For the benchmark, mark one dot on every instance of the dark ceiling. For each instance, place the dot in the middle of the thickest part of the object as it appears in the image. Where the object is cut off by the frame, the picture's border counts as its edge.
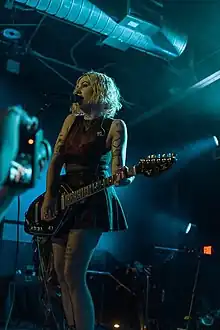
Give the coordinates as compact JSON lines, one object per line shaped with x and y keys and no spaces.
{"x":144,"y":80}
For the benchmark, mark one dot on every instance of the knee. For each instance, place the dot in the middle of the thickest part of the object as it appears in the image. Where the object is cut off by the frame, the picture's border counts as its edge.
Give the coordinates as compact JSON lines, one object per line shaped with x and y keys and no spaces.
{"x":68,"y":276}
{"x":60,"y":274}
{"x":74,"y":276}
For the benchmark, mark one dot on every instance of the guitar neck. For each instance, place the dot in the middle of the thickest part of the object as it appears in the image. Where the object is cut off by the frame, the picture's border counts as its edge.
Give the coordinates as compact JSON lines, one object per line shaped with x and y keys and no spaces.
{"x":91,"y":189}
{"x":152,"y":165}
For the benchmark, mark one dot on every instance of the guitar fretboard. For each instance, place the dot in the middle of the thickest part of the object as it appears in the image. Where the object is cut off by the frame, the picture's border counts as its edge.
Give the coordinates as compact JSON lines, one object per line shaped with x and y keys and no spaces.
{"x":91,"y":189}
{"x":149,"y":166}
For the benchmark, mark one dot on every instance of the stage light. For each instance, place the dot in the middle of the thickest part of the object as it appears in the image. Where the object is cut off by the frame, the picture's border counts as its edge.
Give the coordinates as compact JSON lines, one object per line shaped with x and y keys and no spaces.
{"x":30,"y":141}
{"x":216,"y":141}
{"x":116,"y":326}
{"x":188,"y":228}
{"x":207,"y":320}
{"x":11,"y":34}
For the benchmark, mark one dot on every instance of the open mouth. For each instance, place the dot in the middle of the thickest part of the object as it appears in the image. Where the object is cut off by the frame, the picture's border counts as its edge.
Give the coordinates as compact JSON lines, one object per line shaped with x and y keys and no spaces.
{"x":76,"y":98}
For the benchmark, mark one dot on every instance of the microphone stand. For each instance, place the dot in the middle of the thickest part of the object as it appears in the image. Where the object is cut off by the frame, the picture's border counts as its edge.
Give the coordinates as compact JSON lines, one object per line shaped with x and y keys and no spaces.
{"x":189,"y":318}
{"x":146,"y":302}
{"x":192,"y":300}
{"x":143,"y":300}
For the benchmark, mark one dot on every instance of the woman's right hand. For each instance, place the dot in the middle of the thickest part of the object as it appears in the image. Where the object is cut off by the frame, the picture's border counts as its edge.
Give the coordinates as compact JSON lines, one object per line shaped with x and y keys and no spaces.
{"x":75,"y":109}
{"x":49,"y":209}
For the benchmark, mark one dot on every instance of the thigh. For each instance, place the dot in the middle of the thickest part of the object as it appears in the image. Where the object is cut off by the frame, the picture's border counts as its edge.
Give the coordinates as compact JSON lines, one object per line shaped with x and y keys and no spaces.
{"x":80,"y":247}
{"x":58,"y":258}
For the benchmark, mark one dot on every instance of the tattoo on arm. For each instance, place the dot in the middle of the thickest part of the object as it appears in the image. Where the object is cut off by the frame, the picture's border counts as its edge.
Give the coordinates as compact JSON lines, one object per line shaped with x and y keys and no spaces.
{"x":119,"y":145}
{"x":53,"y":173}
{"x":59,"y":145}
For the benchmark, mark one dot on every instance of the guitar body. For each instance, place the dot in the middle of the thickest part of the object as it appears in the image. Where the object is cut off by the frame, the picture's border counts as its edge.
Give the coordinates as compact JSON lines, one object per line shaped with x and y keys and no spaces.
{"x":35,"y":226}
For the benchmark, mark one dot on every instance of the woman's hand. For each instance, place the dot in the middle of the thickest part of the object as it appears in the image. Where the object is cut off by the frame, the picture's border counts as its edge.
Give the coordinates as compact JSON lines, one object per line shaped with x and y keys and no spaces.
{"x":49,"y":208}
{"x":121,"y":177}
{"x":75,"y":109}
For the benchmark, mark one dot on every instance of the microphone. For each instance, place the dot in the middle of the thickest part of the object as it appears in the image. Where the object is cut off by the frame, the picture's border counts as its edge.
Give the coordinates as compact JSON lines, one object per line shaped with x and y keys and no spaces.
{"x":57,"y":95}
{"x":76,"y":98}
{"x":73,"y":98}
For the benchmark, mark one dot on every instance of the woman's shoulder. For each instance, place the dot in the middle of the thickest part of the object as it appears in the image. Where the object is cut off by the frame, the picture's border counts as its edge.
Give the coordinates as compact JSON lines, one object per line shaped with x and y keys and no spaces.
{"x":117,"y":126}
{"x":72,"y":117}
{"x":118,"y":123}
{"x":115,"y":121}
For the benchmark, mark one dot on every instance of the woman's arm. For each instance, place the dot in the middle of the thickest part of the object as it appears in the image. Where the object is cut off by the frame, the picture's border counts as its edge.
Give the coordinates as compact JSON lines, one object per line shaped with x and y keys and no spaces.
{"x":57,"y":161}
{"x":119,"y":137}
{"x":9,"y":141}
{"x":11,"y":121}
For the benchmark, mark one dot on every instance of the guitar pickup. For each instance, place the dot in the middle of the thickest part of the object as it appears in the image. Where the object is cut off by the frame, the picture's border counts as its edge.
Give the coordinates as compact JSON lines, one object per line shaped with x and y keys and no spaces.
{"x":62,"y":202}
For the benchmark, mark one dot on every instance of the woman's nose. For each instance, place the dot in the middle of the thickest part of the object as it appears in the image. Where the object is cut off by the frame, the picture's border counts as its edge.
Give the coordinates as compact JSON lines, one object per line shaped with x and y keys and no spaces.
{"x":78,"y":91}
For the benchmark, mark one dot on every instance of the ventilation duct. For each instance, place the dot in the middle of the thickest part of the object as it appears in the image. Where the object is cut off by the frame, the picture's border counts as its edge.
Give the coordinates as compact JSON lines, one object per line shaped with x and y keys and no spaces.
{"x":131,"y":32}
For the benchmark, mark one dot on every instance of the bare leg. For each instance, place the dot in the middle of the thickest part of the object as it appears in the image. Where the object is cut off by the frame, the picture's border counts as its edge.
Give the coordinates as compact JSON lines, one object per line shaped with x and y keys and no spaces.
{"x":59,"y":253}
{"x":79,"y":250}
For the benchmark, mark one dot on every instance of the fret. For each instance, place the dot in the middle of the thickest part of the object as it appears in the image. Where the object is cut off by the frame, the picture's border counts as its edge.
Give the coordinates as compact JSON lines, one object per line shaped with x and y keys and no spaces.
{"x":94,"y":186}
{"x":79,"y":193}
{"x":89,"y":189}
{"x":103,"y":183}
{"x":100,"y":184}
{"x":85,"y":191}
{"x":72,"y":198}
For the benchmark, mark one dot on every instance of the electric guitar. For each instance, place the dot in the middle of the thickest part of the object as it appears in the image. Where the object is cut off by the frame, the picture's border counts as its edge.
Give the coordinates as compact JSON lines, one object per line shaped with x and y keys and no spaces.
{"x":150,"y":166}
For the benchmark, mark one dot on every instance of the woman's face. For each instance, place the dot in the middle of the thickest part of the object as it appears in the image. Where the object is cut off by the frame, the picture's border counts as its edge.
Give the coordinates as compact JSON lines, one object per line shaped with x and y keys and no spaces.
{"x":84,"y":89}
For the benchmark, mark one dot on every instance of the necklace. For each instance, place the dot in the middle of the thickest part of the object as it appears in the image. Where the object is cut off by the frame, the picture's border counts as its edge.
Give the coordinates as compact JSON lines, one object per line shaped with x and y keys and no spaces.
{"x":89,"y":123}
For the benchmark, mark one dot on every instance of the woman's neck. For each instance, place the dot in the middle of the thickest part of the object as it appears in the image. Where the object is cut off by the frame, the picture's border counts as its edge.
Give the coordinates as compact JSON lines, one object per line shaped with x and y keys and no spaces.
{"x":91,"y":116}
{"x":92,"y":111}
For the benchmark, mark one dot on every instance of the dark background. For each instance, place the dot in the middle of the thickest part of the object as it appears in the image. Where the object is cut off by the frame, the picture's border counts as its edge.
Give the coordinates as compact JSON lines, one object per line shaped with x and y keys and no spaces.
{"x":158,"y":210}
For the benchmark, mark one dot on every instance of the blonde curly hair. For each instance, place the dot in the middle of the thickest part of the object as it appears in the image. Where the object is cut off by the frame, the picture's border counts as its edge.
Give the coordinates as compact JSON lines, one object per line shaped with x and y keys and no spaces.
{"x":105,"y":92}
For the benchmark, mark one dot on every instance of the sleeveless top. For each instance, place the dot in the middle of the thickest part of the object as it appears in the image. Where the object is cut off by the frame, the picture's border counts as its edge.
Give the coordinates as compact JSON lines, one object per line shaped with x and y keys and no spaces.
{"x":85,"y":146}
{"x":87,"y":158}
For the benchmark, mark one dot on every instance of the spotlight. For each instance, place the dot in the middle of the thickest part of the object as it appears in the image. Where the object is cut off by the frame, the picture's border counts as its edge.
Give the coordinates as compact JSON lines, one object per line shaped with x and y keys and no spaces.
{"x":11,"y":34}
{"x":116,"y":326}
{"x":189,"y":227}
{"x":207,"y":320}
{"x":216,"y":141}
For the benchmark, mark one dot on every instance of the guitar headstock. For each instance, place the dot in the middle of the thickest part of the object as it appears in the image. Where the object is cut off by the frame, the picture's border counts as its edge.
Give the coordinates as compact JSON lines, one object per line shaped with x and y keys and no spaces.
{"x":155,"y":164}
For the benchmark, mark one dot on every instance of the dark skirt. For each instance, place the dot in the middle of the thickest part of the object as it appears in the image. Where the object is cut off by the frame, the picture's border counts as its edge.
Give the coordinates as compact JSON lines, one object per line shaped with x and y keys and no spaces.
{"x":102,"y":211}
